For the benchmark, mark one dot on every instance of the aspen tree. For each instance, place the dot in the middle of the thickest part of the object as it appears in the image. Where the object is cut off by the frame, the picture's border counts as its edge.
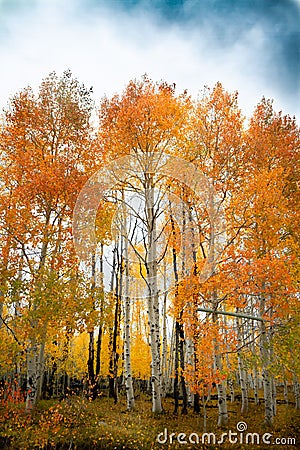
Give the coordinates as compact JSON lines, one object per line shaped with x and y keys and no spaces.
{"x":43,"y":137}
{"x":127,"y":313}
{"x":144,"y":122}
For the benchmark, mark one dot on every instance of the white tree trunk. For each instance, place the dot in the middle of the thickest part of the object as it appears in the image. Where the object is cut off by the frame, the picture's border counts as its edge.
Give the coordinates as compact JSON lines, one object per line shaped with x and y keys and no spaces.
{"x":155,"y":361}
{"x":164,"y":338}
{"x":243,"y":385}
{"x":40,"y":370}
{"x":127,"y":356}
{"x":255,"y":386}
{"x":32,"y":381}
{"x":296,"y":392}
{"x":35,"y":355}
{"x":265,"y":358}
{"x":127,"y":320}
{"x":221,"y":386}
{"x":267,"y":383}
{"x":222,"y":400}
{"x":190,"y":358}
{"x":274,"y":395}
{"x":230,"y":380}
{"x":153,"y":299}
{"x":242,"y":371}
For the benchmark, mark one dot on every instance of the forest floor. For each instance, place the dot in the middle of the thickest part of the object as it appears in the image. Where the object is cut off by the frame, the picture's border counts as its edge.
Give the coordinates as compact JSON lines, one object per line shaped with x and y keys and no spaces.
{"x":76,"y":423}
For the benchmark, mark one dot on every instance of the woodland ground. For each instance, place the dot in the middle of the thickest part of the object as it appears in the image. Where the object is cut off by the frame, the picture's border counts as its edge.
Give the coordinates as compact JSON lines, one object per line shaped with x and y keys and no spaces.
{"x":76,"y":423}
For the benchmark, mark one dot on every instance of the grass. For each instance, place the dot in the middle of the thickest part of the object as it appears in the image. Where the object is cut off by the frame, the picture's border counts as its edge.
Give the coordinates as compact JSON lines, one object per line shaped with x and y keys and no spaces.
{"x":76,"y":423}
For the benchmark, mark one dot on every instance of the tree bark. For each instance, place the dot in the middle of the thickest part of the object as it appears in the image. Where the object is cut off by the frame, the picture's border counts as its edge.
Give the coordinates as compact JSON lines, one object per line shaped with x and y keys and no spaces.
{"x":113,"y":368}
{"x":242,"y":371}
{"x":91,"y":353}
{"x":127,"y":317}
{"x":296,"y":387}
{"x":100,"y":330}
{"x":113,"y":332}
{"x":179,"y":339}
{"x":221,"y":385}
{"x":153,"y":300}
{"x":265,"y":359}
{"x":31,"y":384}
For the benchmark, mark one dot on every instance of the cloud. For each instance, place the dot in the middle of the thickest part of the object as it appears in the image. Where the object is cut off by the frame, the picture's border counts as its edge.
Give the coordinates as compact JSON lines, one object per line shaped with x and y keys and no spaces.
{"x":192,"y":43}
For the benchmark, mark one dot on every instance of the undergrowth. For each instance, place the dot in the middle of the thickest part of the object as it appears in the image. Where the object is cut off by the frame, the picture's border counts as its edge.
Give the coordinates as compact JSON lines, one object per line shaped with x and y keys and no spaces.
{"x":76,"y":423}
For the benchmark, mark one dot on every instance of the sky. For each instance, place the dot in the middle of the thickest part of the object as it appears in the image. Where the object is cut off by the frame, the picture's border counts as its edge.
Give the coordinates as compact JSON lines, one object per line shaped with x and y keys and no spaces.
{"x":250,"y":46}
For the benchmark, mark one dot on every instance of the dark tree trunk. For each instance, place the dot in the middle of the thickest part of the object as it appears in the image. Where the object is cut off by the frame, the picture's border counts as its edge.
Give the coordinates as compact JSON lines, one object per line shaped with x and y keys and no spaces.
{"x":195,"y":270}
{"x":100,"y":331}
{"x":50,"y":388}
{"x":90,"y":364}
{"x":179,"y":342}
{"x":176,"y":367}
{"x":91,"y":357}
{"x":182,"y":367}
{"x":196,"y":395}
{"x":98,"y":352}
{"x":113,"y":363}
